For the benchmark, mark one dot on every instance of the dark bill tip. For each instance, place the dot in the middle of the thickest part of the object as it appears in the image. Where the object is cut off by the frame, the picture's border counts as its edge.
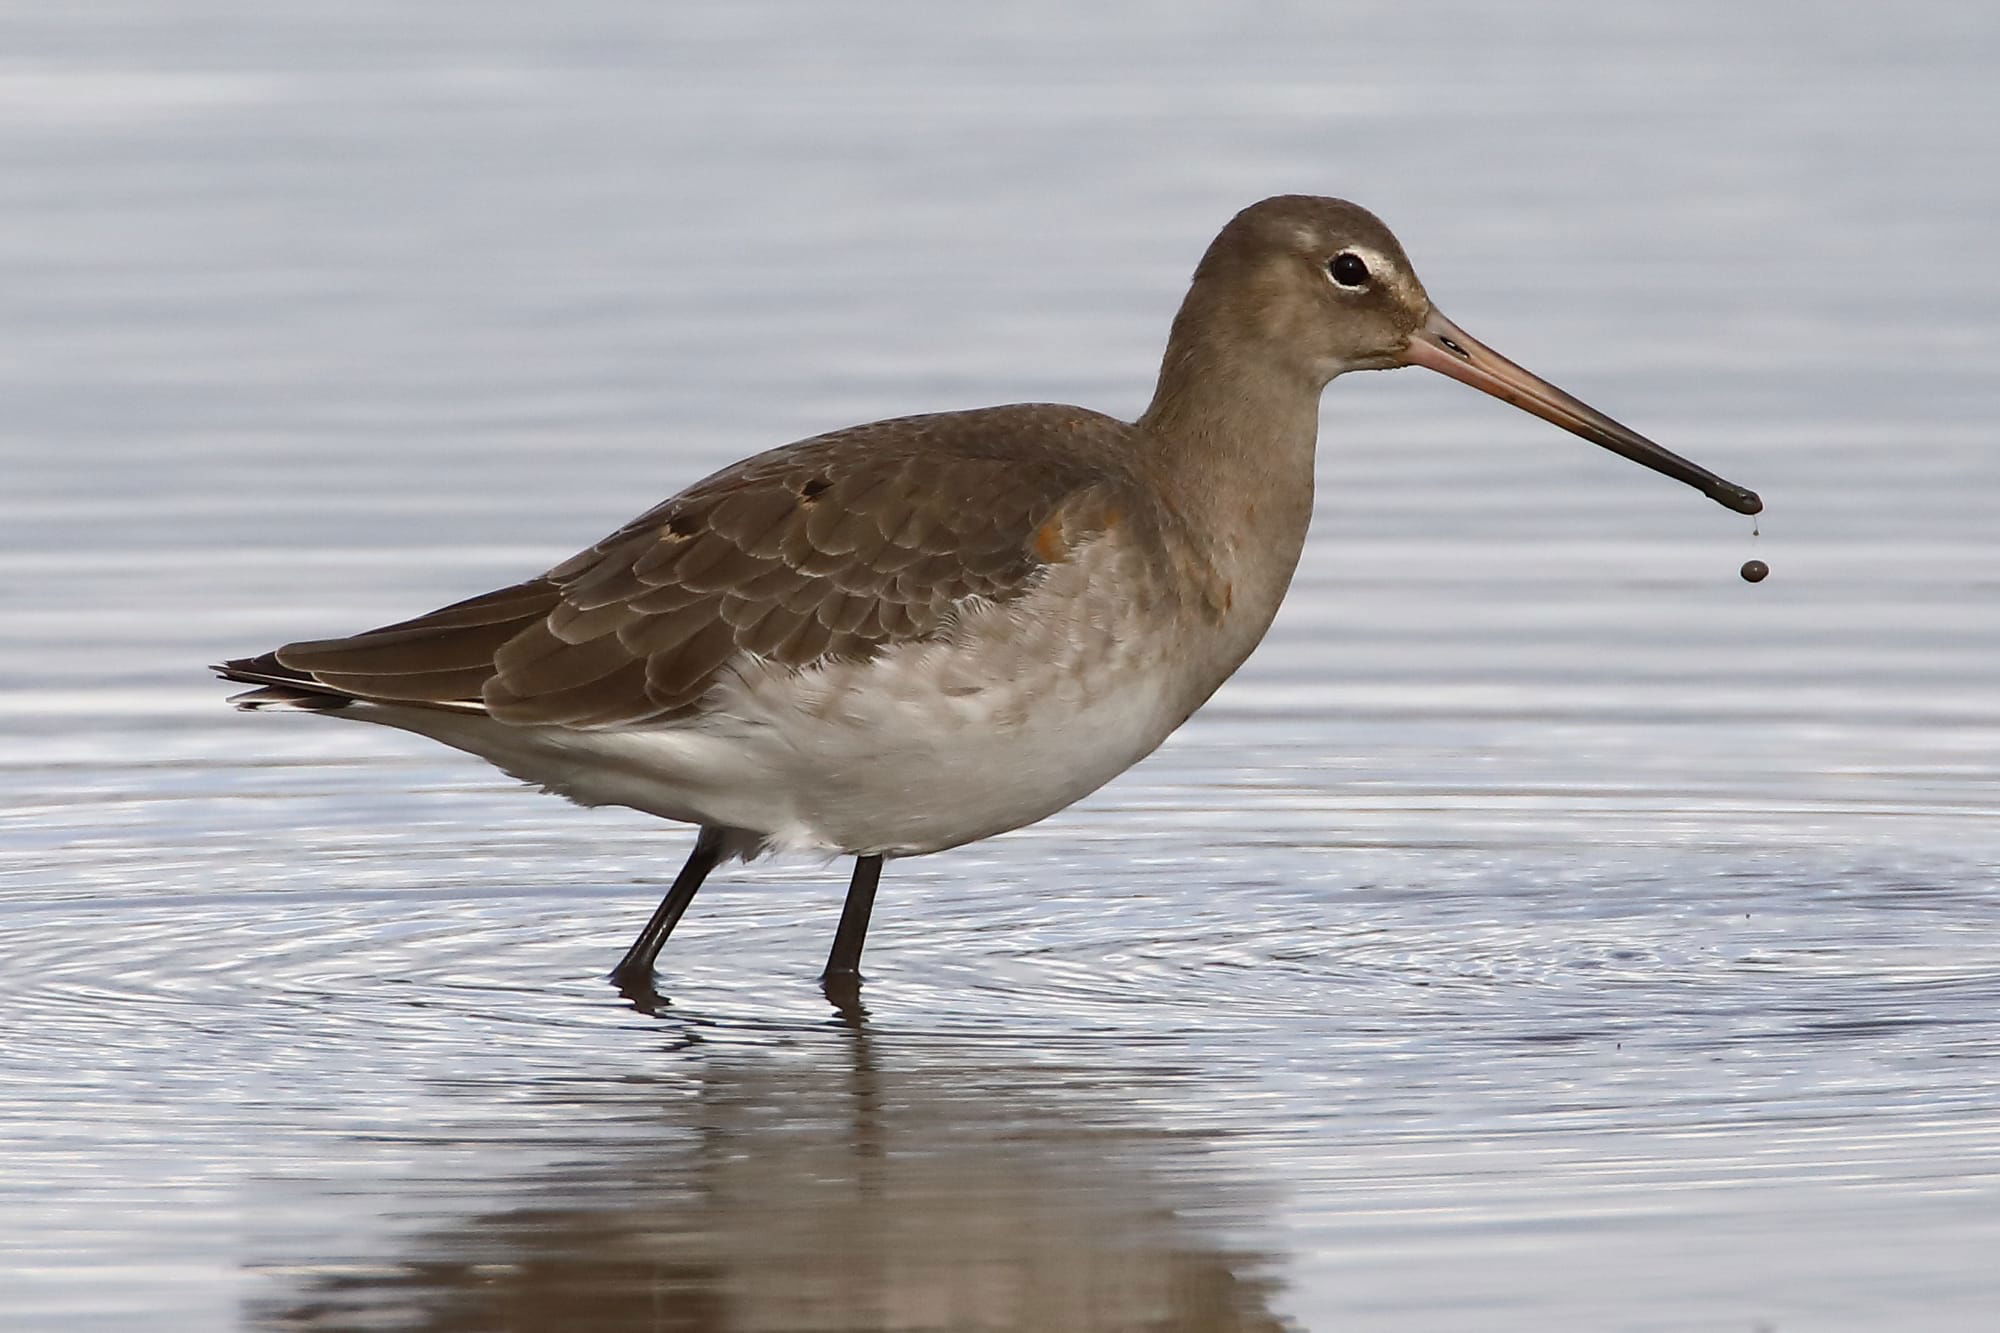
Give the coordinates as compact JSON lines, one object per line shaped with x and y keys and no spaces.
{"x":1442,"y":346}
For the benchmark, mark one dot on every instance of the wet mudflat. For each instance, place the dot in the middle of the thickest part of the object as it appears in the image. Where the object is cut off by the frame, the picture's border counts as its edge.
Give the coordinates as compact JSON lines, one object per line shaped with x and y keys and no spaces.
{"x":1547,"y":929}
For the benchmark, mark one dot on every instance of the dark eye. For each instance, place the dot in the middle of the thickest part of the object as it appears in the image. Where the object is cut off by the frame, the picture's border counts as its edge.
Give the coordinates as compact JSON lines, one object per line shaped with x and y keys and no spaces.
{"x":1348,"y":270}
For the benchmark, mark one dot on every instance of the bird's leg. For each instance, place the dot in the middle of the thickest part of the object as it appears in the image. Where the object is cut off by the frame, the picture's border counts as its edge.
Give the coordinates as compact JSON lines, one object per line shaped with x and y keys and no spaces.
{"x":635,"y":969}
{"x":843,"y":966}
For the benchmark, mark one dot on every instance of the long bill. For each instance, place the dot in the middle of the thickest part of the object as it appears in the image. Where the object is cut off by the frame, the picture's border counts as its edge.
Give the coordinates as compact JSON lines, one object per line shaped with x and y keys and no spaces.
{"x":1442,"y":346}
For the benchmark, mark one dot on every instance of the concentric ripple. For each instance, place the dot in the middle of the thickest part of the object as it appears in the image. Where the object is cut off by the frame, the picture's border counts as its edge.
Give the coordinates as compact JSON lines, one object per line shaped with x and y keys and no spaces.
{"x":351,"y":1020}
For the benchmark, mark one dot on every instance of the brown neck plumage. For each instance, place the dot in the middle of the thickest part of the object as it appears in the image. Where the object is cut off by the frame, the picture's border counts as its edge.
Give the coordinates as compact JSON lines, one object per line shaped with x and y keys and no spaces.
{"x":1234,"y":416}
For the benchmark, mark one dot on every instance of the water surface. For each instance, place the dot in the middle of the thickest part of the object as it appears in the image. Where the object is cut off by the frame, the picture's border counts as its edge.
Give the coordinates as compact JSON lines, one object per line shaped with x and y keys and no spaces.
{"x":1546,"y":930}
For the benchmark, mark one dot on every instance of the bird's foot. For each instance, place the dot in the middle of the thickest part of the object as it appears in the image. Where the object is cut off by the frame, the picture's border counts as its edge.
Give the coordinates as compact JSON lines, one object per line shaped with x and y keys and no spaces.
{"x":636,"y":985}
{"x":843,"y":992}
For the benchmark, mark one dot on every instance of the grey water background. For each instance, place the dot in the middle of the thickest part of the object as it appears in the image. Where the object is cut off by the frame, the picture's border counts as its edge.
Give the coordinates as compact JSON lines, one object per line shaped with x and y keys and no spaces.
{"x":1545,"y":931}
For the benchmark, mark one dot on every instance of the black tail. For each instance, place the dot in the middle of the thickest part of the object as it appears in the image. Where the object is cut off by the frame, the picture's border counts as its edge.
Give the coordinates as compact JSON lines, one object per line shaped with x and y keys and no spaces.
{"x":282,"y":687}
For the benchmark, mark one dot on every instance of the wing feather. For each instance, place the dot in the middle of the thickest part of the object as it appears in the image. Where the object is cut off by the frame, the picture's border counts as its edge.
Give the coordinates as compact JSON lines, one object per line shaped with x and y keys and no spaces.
{"x":835,"y":548}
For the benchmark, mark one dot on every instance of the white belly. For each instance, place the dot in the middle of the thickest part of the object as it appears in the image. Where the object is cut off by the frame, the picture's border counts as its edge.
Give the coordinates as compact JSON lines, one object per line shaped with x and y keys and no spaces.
{"x":926,"y":747}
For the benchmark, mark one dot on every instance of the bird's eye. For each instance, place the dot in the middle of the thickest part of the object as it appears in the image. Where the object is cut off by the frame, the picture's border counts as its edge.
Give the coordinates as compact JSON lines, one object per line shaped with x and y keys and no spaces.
{"x":1348,"y":269}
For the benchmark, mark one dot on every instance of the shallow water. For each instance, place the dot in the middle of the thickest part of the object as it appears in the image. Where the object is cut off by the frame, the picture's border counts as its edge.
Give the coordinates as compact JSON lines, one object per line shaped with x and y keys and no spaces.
{"x":1546,"y":930}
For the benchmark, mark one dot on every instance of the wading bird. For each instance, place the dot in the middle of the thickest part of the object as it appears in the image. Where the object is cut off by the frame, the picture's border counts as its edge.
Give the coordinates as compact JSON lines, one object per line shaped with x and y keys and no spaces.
{"x":908,"y":635}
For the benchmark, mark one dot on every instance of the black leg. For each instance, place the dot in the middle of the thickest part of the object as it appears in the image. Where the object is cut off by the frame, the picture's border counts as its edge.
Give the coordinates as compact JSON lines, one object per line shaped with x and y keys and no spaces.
{"x":635,"y":969}
{"x":843,"y":965}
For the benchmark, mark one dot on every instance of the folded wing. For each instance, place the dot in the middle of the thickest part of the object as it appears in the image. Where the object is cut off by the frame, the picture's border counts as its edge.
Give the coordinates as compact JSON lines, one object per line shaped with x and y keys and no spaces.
{"x":835,"y":548}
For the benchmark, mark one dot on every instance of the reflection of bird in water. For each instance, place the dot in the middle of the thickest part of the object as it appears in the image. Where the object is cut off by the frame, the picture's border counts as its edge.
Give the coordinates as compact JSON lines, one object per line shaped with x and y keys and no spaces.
{"x":782,"y":1196}
{"x":906,"y":636}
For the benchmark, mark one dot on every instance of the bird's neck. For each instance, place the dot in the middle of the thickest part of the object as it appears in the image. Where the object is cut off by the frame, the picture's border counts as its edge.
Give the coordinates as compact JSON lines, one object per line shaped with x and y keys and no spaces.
{"x":1235,"y":434}
{"x":1233,"y":438}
